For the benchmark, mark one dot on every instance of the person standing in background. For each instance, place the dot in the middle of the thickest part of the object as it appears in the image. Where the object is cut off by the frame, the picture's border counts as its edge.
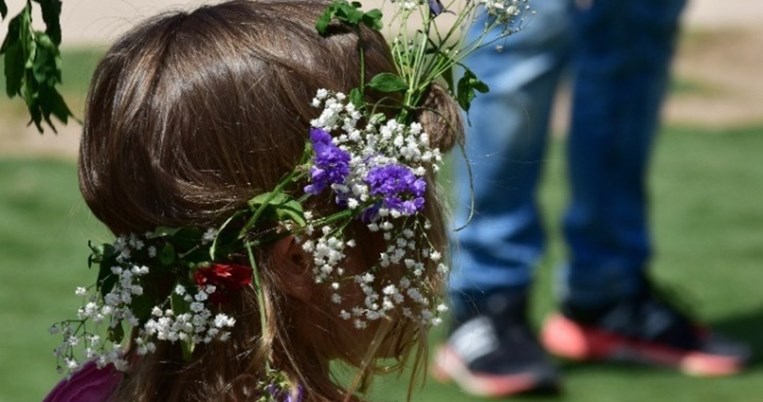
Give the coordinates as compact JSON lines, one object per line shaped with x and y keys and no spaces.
{"x":620,"y":53}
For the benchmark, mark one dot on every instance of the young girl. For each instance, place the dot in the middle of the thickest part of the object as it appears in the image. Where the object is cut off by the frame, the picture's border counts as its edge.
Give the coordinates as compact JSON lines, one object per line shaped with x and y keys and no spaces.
{"x":236,"y":265}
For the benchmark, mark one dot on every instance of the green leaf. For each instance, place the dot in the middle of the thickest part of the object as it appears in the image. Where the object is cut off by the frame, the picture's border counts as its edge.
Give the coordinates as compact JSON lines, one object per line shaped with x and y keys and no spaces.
{"x":267,"y":198}
{"x":387,"y":82}
{"x":373,"y":19}
{"x":14,"y":69}
{"x":447,"y":75}
{"x":292,"y":211}
{"x":163,"y":231}
{"x":466,"y":87}
{"x":3,"y":9}
{"x":225,"y":236}
{"x":342,"y":11}
{"x":356,"y":97}
{"x":167,"y":254}
{"x":51,"y":13}
{"x":349,"y":13}
{"x":46,"y":66}
{"x":106,"y":259}
{"x":279,"y":206}
{"x":179,"y":305}
{"x":97,"y":252}
{"x":322,"y":24}
{"x":53,"y":103}
{"x":187,"y":346}
{"x":142,"y":305}
{"x":117,"y":333}
{"x":17,"y":48}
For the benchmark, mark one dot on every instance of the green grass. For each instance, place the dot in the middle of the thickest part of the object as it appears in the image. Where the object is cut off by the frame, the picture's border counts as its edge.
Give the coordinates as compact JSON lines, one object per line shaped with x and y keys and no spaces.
{"x":708,"y":227}
{"x":44,"y":227}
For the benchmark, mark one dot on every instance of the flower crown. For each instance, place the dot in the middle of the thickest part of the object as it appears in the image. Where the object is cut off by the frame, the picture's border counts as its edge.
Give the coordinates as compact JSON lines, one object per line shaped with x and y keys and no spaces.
{"x":169,"y":284}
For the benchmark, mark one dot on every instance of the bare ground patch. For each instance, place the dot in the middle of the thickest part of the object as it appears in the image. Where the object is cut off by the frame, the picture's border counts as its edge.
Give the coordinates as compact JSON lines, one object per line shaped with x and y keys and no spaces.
{"x":725,"y":63}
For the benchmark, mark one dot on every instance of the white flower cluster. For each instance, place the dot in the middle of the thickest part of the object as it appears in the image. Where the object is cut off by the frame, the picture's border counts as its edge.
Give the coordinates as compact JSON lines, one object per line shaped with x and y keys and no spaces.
{"x":504,"y":10}
{"x":116,"y":308}
{"x":408,"y":4}
{"x":328,"y":253}
{"x":404,"y":248}
{"x":381,"y":142}
{"x":197,"y":326}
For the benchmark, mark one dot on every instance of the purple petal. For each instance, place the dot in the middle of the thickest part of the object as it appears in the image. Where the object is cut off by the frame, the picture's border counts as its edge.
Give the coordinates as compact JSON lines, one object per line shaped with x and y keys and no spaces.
{"x":435,"y":7}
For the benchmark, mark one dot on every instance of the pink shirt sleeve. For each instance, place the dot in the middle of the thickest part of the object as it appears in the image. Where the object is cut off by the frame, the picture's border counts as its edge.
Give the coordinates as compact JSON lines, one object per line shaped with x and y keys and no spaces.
{"x":89,"y":384}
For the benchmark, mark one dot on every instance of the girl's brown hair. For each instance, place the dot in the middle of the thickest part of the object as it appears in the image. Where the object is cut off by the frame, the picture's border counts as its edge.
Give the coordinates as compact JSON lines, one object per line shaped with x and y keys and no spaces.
{"x":191,"y":114}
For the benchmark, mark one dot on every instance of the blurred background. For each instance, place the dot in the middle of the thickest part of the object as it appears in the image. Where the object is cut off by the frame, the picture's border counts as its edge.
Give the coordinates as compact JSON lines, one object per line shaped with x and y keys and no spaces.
{"x":706,"y":184}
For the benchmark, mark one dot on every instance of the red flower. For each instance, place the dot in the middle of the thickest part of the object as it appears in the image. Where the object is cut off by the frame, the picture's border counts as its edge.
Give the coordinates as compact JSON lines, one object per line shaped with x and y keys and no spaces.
{"x":225,"y":278}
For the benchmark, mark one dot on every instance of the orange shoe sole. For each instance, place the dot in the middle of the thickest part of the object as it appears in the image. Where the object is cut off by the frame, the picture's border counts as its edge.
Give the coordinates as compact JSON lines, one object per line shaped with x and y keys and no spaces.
{"x":567,"y":339}
{"x":448,"y":367}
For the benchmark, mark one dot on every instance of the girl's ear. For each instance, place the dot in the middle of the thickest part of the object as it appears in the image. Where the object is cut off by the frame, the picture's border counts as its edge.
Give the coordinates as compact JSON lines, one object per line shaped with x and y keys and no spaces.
{"x":293,"y":265}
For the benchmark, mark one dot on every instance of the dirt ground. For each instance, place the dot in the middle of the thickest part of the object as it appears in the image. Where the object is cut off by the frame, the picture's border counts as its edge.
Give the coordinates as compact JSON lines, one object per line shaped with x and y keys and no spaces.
{"x":717,"y":69}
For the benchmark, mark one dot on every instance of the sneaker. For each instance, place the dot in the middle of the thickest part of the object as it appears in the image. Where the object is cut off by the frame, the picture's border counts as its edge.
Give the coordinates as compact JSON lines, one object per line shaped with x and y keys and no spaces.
{"x":643,"y":330}
{"x":494,"y":353}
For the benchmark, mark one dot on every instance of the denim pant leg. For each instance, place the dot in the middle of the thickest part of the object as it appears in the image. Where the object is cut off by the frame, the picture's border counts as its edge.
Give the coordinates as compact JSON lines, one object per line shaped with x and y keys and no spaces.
{"x":621,"y":64}
{"x":505,"y":149}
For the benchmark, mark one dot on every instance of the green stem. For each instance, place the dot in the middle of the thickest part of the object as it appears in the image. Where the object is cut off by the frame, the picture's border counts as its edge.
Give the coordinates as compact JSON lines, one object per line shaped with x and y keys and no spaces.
{"x":362,"y":55}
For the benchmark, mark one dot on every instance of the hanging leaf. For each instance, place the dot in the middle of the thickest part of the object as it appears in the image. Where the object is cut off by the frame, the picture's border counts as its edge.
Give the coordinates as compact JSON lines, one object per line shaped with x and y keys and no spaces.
{"x":33,"y":64}
{"x":51,"y":14}
{"x":466,"y":87}
{"x":17,"y":49}
{"x":46,"y":66}
{"x":3,"y":9}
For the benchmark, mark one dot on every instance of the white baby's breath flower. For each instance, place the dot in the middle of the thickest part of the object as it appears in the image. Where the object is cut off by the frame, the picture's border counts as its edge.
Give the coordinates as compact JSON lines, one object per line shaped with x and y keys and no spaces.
{"x":209,"y":236}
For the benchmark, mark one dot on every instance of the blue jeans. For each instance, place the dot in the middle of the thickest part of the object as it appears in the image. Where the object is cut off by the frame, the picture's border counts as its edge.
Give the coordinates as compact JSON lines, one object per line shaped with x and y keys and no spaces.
{"x":620,"y":52}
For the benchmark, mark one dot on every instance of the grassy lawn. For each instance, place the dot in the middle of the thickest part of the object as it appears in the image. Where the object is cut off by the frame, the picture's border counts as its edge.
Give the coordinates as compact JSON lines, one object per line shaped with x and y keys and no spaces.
{"x":44,"y":227}
{"x":708,"y":226}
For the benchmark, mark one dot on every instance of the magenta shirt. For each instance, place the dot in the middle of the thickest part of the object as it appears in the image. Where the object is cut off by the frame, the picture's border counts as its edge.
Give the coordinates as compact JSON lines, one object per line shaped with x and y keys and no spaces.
{"x":89,"y":384}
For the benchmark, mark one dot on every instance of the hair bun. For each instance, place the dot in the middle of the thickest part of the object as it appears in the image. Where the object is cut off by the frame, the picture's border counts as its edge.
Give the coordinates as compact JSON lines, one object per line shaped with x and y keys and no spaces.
{"x":441,"y":118}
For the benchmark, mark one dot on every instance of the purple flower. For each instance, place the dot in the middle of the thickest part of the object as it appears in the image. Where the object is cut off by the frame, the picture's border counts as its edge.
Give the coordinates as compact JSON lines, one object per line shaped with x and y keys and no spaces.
{"x":435,"y":7}
{"x":331,"y":165}
{"x":284,"y":394}
{"x":400,"y":190}
{"x":299,"y":397}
